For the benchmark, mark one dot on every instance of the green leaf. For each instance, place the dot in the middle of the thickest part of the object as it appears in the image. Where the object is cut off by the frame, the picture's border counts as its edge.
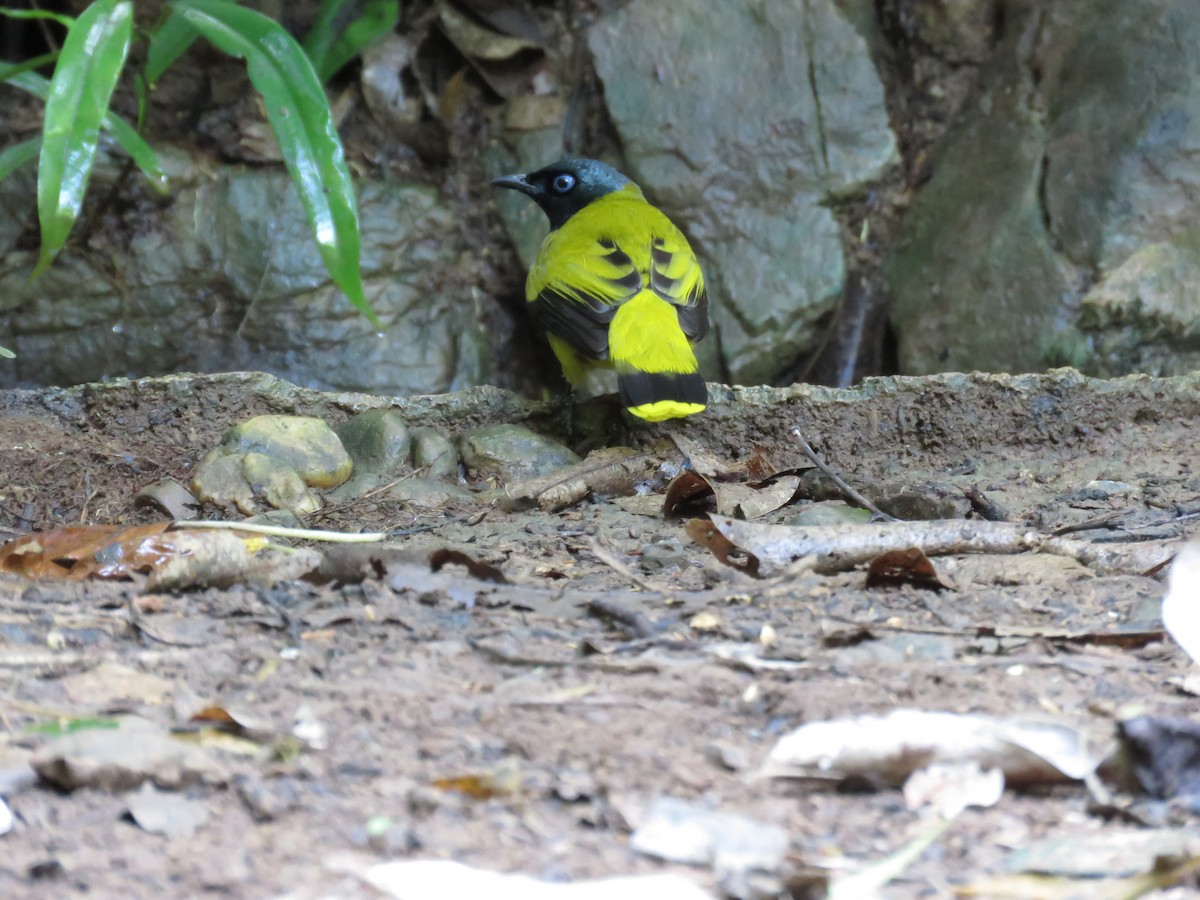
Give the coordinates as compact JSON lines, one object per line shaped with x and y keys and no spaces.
{"x":36,"y":14}
{"x":167,"y":44}
{"x":84,"y":79}
{"x":18,"y":155}
{"x":344,"y":29}
{"x":70,"y":726}
{"x":303,"y":124}
{"x":7,"y":354}
{"x":120,"y":130}
{"x":12,"y":70}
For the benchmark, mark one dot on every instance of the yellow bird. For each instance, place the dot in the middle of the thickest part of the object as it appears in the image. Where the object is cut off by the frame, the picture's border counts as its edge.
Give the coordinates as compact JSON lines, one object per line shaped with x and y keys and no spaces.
{"x":615,"y":284}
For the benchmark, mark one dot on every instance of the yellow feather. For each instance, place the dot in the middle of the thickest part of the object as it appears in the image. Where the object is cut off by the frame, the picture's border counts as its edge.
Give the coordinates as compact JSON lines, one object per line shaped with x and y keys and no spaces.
{"x":645,"y":335}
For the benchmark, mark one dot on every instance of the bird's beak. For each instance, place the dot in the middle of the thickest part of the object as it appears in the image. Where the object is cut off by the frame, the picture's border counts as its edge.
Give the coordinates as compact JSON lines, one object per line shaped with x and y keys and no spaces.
{"x":516,"y":183}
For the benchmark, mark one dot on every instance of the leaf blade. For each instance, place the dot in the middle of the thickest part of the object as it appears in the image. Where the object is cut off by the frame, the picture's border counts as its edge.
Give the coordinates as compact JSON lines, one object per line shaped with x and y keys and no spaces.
{"x":338,"y":36}
{"x":169,"y":41}
{"x":12,"y":158}
{"x":299,"y":114}
{"x":89,"y":65}
{"x":121,"y":131}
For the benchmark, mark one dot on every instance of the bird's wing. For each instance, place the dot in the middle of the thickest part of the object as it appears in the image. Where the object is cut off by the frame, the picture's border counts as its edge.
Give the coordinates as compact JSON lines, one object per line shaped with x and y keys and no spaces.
{"x":675,"y":276}
{"x":576,"y":286}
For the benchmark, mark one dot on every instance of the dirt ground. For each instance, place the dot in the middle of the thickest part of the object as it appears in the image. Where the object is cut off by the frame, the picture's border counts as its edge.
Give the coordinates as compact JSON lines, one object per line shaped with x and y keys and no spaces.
{"x":519,"y":728}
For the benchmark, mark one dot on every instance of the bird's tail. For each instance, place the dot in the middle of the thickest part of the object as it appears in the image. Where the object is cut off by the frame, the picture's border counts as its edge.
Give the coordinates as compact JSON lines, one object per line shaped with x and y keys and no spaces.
{"x":656,"y":367}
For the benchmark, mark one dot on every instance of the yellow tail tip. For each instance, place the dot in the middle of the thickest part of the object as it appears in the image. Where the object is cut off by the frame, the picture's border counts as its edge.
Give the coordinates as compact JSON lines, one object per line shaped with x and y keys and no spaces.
{"x":665,"y":409}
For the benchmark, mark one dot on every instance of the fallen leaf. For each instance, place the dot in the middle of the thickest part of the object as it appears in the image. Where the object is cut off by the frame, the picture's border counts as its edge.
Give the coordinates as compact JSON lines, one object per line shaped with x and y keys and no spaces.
{"x":504,"y":780}
{"x":480,"y":570}
{"x":436,"y":879}
{"x":688,"y":494}
{"x":170,"y":498}
{"x":703,"y":532}
{"x":1181,"y":605}
{"x":173,"y":559}
{"x":692,"y":494}
{"x":83,"y":551}
{"x":949,"y":789}
{"x":897,"y":568}
{"x":891,"y":747}
{"x":477,"y":41}
{"x":237,"y":723}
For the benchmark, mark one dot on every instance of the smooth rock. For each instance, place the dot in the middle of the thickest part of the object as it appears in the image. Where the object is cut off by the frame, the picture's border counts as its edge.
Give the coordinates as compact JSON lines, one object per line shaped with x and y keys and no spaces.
{"x":434,"y":452}
{"x":377,"y":440}
{"x":430,"y":493}
{"x":512,"y":453}
{"x":1143,"y":316}
{"x":829,"y":512}
{"x":122,"y":758}
{"x":774,"y":107}
{"x":275,"y":459}
{"x":1077,"y":154}
{"x":226,"y":275}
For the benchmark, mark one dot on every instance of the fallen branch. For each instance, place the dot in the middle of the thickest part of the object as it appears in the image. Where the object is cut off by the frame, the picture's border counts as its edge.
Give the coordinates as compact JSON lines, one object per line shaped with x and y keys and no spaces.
{"x":838,"y":548}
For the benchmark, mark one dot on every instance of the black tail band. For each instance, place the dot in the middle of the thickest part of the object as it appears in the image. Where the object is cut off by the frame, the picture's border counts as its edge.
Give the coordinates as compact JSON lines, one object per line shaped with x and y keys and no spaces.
{"x":640,"y":388}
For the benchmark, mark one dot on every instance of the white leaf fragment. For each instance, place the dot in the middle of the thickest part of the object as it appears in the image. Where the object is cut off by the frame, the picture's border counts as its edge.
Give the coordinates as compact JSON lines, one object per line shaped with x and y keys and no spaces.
{"x":891,"y":747}
{"x":1181,"y":605}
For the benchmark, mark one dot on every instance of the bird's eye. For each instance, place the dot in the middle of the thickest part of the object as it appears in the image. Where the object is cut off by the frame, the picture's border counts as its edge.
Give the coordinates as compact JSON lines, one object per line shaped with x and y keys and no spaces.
{"x":563,"y":183}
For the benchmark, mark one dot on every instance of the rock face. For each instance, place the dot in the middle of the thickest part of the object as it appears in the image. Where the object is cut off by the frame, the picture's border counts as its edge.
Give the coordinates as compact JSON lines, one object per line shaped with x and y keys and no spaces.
{"x":740,"y":120}
{"x":227,"y":276}
{"x":1059,"y":222}
{"x":1076,"y":164}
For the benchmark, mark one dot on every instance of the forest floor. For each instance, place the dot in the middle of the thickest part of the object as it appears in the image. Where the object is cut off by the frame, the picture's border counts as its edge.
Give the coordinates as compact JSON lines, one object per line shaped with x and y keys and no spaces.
{"x":529,"y":726}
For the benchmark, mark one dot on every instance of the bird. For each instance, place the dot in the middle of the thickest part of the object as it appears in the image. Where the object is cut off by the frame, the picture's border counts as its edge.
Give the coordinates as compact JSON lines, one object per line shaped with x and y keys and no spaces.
{"x":615,"y":284}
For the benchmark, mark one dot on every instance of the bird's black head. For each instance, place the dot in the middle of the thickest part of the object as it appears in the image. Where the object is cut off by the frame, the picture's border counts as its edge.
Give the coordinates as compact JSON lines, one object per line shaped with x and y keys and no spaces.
{"x":567,"y":186}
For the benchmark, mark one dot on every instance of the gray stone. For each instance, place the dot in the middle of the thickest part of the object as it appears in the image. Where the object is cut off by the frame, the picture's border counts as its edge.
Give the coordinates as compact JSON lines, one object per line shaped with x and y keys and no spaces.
{"x":125,"y":757}
{"x":1076,"y":165}
{"x":168,"y":814}
{"x":227,"y":276}
{"x":512,"y":453}
{"x":775,"y":108}
{"x":434,"y":452}
{"x":377,"y":440}
{"x":959,"y":31}
{"x":429,"y":493}
{"x":829,"y":512}
{"x":1121,"y":92}
{"x":1143,"y":316}
{"x":268,"y":799}
{"x":977,"y":284}
{"x":275,"y":459}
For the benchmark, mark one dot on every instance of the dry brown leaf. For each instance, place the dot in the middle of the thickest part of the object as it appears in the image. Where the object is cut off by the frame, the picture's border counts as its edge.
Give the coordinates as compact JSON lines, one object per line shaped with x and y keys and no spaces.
{"x":900,"y":567}
{"x":481,"y":570}
{"x":703,"y":532}
{"x":86,"y":551}
{"x":688,"y":494}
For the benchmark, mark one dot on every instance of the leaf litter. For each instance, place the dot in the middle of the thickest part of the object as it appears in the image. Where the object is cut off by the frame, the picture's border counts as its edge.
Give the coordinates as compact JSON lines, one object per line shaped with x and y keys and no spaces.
{"x":450,"y":680}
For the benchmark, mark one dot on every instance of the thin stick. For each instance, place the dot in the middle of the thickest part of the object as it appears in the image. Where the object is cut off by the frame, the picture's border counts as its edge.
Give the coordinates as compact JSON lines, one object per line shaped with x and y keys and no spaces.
{"x":636,"y":623}
{"x":846,"y":489}
{"x":609,"y":559}
{"x":305,"y":534}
